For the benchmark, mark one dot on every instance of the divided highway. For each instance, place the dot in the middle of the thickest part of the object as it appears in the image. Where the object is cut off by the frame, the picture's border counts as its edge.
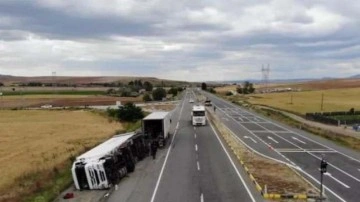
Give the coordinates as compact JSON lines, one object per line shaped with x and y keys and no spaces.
{"x":294,"y":147}
{"x":197,"y":166}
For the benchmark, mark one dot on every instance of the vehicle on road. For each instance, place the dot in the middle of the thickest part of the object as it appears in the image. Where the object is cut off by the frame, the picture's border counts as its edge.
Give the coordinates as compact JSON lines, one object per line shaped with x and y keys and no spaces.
{"x":156,"y":126}
{"x":104,"y":165}
{"x":208,"y":102}
{"x":191,"y":101}
{"x":198,"y":115}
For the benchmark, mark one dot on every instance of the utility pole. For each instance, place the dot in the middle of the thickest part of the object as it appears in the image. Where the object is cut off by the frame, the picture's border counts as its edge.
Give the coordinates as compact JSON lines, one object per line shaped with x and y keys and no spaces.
{"x":322,"y":101}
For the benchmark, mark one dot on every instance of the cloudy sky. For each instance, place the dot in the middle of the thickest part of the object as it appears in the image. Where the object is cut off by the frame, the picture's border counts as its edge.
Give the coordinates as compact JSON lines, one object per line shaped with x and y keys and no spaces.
{"x":190,"y":40}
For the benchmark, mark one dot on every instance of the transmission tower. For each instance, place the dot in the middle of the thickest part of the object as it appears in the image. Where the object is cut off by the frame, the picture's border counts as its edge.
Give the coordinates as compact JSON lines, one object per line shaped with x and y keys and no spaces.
{"x":265,"y":76}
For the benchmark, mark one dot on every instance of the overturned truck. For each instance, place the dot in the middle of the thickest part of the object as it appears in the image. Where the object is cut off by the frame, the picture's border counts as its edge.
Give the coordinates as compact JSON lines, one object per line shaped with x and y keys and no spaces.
{"x":107,"y":163}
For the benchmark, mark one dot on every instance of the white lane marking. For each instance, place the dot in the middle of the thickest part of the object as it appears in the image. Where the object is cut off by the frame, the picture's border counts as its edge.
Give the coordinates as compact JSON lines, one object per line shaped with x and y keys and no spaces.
{"x":240,"y":119}
{"x":295,"y":138}
{"x":195,"y":135}
{"x":198,"y":165}
{"x":302,"y":151}
{"x":325,"y":187}
{"x":177,"y":125}
{"x":226,"y":119}
{"x":233,"y":164}
{"x":343,"y":184}
{"x":359,"y":170}
{"x":247,"y":137}
{"x":294,"y":165}
{"x":287,"y":130}
{"x":202,"y":198}
{"x":196,"y":147}
{"x":351,"y":176}
{"x":164,"y":164}
{"x":271,"y":138}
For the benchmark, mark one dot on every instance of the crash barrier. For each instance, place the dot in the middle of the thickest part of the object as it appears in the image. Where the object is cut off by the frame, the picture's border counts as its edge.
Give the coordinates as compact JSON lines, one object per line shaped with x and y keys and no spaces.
{"x":329,"y":117}
{"x":104,"y":165}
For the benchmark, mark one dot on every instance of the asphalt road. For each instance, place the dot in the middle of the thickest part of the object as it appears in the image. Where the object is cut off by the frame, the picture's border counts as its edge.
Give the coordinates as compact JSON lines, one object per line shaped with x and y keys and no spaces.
{"x":196,"y":166}
{"x":295,"y":147}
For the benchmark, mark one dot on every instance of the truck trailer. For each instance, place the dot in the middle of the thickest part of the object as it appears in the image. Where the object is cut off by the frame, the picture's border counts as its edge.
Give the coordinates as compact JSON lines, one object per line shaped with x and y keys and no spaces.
{"x":156,"y":126}
{"x":107,"y":163}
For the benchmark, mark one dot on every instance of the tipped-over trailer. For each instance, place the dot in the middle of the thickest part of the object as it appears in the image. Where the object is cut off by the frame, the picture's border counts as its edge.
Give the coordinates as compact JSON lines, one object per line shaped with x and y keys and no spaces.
{"x":105,"y":164}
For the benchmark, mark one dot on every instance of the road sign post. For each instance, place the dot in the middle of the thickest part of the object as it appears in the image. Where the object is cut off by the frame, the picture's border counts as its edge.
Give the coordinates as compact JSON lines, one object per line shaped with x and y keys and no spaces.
{"x":323,"y":169}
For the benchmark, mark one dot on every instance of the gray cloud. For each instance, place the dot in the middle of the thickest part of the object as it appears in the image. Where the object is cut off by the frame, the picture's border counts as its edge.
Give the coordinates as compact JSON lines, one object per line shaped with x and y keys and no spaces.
{"x":188,"y":40}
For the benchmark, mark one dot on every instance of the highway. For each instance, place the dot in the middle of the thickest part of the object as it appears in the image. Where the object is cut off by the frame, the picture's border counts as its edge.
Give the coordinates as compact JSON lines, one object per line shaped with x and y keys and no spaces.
{"x":296,"y":148}
{"x":196,"y":167}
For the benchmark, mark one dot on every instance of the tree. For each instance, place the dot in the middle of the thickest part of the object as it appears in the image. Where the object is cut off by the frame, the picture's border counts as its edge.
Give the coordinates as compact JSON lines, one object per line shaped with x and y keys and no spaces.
{"x":173,"y":91}
{"x":203,"y":86}
{"x":229,"y":93}
{"x":212,"y":90}
{"x":110,"y":91}
{"x":131,"y":83}
{"x":130,"y":112}
{"x":251,"y":88}
{"x":148,"y":86}
{"x":246,"y":89}
{"x":239,"y":90}
{"x":147,"y":98}
{"x":1,"y":84}
{"x":159,"y":94}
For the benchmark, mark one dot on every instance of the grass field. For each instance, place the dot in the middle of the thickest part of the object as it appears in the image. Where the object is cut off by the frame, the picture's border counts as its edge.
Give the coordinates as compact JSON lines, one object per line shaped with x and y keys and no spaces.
{"x":36,"y":143}
{"x":310,"y":101}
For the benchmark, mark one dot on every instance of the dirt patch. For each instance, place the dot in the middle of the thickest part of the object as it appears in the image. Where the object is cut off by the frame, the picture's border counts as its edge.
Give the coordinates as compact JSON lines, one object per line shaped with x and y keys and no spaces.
{"x":277,"y":177}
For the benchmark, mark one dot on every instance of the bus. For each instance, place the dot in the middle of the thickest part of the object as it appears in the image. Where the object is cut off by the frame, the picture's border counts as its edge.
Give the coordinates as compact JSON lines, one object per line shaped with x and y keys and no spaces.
{"x":198,"y":115}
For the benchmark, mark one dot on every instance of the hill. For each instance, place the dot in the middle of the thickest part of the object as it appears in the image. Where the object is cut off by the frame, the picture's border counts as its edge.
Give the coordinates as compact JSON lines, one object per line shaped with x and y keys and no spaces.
{"x":12,"y":80}
{"x":323,"y":84}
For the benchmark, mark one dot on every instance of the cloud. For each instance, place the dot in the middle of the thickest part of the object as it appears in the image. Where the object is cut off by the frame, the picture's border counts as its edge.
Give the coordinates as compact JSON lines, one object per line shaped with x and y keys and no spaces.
{"x":183,"y":40}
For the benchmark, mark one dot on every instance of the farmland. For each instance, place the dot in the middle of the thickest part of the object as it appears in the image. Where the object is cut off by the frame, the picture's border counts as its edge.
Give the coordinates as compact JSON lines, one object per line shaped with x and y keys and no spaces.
{"x":310,"y":101}
{"x":35,"y":143}
{"x":55,"y":100}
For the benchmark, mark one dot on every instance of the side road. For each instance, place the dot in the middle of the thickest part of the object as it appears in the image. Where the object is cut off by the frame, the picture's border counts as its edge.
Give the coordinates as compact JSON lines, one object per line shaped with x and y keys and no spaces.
{"x":338,"y":129}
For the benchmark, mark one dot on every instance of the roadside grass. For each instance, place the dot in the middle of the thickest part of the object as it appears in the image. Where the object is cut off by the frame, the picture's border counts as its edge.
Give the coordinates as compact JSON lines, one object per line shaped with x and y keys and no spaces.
{"x":37,"y":148}
{"x":346,"y":117}
{"x":343,"y":140}
{"x":310,"y":101}
{"x":277,"y":177}
{"x":131,"y":126}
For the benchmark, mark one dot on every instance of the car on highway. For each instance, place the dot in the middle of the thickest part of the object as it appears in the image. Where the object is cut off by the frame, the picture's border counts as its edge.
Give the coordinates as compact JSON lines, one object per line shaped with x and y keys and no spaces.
{"x":191,"y":101}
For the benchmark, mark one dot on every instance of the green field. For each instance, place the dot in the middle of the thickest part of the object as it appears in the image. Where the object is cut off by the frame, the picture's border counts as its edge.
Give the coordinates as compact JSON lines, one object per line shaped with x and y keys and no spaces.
{"x":309,"y":101}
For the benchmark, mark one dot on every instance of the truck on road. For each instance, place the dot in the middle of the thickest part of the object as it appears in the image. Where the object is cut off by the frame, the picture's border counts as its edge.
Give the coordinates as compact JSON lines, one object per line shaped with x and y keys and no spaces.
{"x":104,"y":165}
{"x":156,"y":126}
{"x":198,"y":115}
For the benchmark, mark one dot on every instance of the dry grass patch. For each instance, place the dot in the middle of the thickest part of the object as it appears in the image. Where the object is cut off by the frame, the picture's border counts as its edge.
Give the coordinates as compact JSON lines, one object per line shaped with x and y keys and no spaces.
{"x":310,"y":101}
{"x":40,"y":141}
